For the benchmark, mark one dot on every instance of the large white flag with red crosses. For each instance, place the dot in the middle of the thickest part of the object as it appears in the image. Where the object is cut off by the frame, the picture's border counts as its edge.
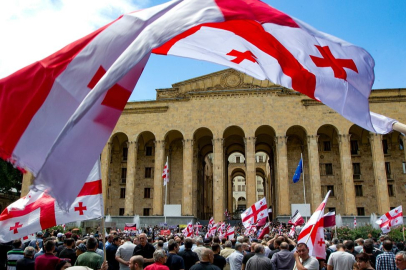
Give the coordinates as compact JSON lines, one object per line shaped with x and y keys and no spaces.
{"x":312,"y":233}
{"x":39,"y":211}
{"x":391,"y":219}
{"x":255,"y":213}
{"x":69,"y":102}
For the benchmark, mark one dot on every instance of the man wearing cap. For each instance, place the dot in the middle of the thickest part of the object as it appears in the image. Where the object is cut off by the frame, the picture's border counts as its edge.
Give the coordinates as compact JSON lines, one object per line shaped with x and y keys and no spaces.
{"x":60,"y":245}
{"x":38,"y":239}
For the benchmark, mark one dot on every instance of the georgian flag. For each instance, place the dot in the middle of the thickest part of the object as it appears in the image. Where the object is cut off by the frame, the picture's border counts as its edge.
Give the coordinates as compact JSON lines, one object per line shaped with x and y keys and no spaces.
{"x":39,"y":211}
{"x":230,"y":233}
{"x":391,"y":219}
{"x":256,"y":212}
{"x":211,"y":222}
{"x":165,"y":173}
{"x":296,"y":219}
{"x":69,"y":102}
{"x":188,"y":231}
{"x":312,"y":232}
{"x":355,"y":222}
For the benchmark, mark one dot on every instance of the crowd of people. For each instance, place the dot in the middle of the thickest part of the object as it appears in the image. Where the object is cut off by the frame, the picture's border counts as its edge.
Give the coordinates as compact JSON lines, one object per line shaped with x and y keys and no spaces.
{"x":122,"y":250}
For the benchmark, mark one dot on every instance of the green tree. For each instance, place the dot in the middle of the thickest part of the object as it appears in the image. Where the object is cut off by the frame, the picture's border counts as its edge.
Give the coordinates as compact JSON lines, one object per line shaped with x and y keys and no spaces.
{"x":10,"y":177}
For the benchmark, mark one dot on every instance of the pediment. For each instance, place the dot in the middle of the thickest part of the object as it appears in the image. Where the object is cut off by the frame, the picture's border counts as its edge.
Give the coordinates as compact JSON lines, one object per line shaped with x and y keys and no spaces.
{"x":227,"y":80}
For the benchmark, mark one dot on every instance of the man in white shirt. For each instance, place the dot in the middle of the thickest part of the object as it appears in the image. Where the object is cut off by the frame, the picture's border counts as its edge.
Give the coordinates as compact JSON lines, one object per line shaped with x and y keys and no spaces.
{"x":303,"y":260}
{"x":124,"y":253}
{"x":235,"y":259}
{"x":341,"y":260}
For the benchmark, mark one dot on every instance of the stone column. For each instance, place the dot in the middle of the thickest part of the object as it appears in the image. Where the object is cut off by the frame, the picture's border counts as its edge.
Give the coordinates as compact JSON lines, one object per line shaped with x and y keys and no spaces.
{"x":381,"y":183}
{"x":404,"y":145}
{"x":314,"y":172}
{"x":282,"y":189}
{"x":105,"y":173}
{"x":195,"y":177}
{"x":130,"y":180}
{"x":347,"y":175}
{"x":230,"y":194}
{"x":158,"y":181}
{"x":28,"y":180}
{"x":218,"y":181}
{"x":250,"y":182}
{"x":187,"y":189}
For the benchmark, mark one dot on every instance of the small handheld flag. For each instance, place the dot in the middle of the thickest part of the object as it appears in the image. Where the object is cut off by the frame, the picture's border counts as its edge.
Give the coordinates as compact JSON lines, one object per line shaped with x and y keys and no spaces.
{"x":298,"y":172}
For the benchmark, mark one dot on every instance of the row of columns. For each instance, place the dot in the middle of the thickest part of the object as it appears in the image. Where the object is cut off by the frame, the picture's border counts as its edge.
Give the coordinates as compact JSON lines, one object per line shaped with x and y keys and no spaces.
{"x":346,"y":174}
{"x":282,"y":187}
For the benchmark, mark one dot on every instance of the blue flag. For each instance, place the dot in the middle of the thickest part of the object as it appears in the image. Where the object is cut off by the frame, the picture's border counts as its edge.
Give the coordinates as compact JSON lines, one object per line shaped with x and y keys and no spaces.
{"x":298,"y":172}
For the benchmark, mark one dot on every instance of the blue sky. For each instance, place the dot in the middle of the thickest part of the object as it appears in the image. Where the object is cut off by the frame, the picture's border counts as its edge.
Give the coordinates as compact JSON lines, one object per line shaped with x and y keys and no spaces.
{"x":37,"y":28}
{"x":377,"y":26}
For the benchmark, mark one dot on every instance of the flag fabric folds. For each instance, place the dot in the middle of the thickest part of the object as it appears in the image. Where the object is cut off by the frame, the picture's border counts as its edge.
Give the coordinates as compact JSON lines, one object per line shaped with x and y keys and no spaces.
{"x":312,"y":232}
{"x":69,"y":102}
{"x":329,"y":219}
{"x":256,"y":212}
{"x":391,"y":219}
{"x":296,"y":219}
{"x":39,"y":211}
{"x":130,"y":227}
{"x":355,"y":222}
{"x":188,"y":231}
{"x":298,"y":172}
{"x":165,"y":174}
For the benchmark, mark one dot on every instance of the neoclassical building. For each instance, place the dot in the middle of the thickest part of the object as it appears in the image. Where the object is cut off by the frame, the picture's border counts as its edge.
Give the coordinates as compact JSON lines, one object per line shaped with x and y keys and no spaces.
{"x":230,"y":139}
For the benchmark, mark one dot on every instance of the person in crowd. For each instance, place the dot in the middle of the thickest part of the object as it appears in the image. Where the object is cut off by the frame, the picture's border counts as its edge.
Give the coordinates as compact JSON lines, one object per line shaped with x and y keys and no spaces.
{"x":349,"y":247}
{"x":227,"y":250}
{"x":109,"y":241}
{"x":37,"y":242}
{"x":235,"y":259}
{"x":124,"y":253}
{"x":283,"y":260}
{"x":80,"y":249}
{"x":63,"y":264}
{"x":189,"y":257}
{"x":386,"y":260}
{"x":341,"y":259}
{"x":136,"y":263}
{"x":174,"y":261}
{"x":218,"y":260}
{"x":206,"y":262}
{"x":259,"y":261}
{"x":400,"y":260}
{"x":47,"y":261}
{"x":248,"y":255}
{"x":14,"y":255}
{"x":145,"y":249}
{"x":359,"y":246}
{"x":90,"y":258}
{"x":28,"y":262}
{"x":370,"y":249}
{"x":111,"y":254}
{"x":363,"y":261}
{"x":303,"y":260}
{"x":68,"y":252}
{"x":159,"y":257}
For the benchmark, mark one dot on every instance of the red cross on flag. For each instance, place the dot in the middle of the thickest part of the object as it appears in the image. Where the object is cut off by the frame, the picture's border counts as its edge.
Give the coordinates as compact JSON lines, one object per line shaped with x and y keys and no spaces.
{"x":69,"y":102}
{"x":230,"y":233}
{"x":391,"y":219}
{"x":26,"y":216}
{"x":312,"y":232}
{"x":165,"y":173}
{"x":256,"y":212}
{"x":188,"y":231}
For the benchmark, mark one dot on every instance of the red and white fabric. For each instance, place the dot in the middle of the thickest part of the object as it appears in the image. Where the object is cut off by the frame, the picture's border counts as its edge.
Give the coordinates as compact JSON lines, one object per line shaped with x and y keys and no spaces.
{"x":251,"y":229}
{"x":213,"y":230}
{"x":329,"y":219}
{"x":211,"y":222}
{"x":355,"y":222}
{"x":165,"y":173}
{"x":256,"y":212}
{"x":229,"y":233}
{"x":312,"y":232}
{"x":264,"y":231}
{"x":39,"y":211}
{"x":391,"y":219}
{"x":292,"y":231}
{"x":69,"y":102}
{"x":188,"y":231}
{"x":296,"y":219}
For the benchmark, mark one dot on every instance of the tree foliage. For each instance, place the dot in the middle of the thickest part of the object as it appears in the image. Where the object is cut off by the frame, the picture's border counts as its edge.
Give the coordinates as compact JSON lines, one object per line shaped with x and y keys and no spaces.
{"x":366,"y":232}
{"x":10,"y":178}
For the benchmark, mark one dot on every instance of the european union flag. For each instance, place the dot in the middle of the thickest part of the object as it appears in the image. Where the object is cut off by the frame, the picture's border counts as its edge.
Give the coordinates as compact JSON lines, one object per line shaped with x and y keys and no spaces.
{"x":298,"y":172}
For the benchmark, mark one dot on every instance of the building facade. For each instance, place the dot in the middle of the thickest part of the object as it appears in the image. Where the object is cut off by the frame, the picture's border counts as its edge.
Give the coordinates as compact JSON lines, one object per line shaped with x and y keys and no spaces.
{"x":230,"y":139}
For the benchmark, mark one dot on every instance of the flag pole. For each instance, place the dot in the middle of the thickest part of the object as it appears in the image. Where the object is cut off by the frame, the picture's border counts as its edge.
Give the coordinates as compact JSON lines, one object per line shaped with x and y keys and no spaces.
{"x":304,"y":187}
{"x":166,"y":186}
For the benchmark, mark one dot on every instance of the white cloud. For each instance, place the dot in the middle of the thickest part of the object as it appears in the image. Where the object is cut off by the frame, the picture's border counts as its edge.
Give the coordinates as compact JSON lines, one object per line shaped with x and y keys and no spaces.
{"x":30,"y":30}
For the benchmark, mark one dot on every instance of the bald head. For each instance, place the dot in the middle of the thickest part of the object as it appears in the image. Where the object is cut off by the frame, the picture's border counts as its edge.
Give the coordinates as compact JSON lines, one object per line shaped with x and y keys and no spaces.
{"x":207,"y":255}
{"x":136,"y":262}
